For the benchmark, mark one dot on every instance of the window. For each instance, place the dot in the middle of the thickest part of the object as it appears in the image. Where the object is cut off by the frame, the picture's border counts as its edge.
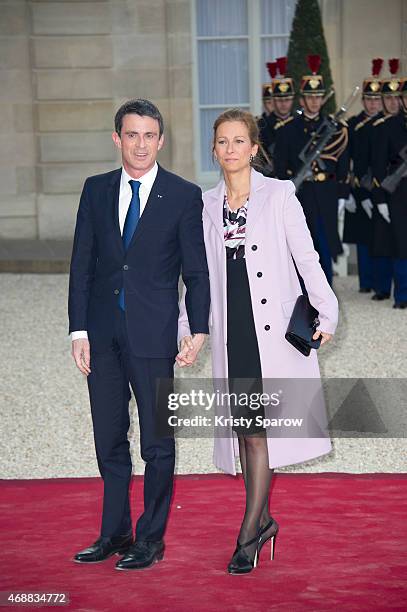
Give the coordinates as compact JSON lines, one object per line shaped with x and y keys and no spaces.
{"x":276,"y":19}
{"x":234,"y":40}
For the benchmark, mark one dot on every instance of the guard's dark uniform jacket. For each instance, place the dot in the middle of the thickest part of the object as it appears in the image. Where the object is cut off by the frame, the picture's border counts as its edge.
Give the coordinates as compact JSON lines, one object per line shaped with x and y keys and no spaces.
{"x":319,"y":194}
{"x":389,"y":136}
{"x":358,"y":225}
{"x":268,"y":126}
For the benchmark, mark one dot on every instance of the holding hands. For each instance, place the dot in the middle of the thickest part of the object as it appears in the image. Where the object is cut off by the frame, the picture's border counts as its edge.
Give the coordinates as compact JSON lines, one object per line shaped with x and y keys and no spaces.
{"x":189,"y":349}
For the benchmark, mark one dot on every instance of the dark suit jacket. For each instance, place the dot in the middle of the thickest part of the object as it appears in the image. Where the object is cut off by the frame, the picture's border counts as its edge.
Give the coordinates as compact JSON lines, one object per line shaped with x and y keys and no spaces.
{"x":168,"y":241}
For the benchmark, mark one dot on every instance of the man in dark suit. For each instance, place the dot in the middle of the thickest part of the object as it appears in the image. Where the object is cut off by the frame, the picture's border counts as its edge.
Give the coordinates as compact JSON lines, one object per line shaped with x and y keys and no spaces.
{"x":137,"y":229}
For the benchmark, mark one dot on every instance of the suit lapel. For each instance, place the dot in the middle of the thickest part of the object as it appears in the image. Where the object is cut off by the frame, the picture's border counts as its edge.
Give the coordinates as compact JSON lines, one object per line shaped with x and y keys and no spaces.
{"x":156,"y":201}
{"x":113,"y":199}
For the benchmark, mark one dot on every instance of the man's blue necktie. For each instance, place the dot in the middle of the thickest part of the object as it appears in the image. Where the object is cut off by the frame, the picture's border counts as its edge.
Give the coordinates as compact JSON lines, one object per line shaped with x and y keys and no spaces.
{"x":130,"y":224}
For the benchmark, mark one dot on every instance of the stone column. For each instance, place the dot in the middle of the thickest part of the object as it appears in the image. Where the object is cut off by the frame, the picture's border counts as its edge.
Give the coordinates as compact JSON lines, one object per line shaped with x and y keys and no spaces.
{"x":404,"y":39}
{"x":179,"y":50}
{"x":65,"y":67}
{"x":17,"y":141}
{"x":73,"y":79}
{"x":88,"y":58}
{"x":138,"y":33}
{"x":358,"y":31}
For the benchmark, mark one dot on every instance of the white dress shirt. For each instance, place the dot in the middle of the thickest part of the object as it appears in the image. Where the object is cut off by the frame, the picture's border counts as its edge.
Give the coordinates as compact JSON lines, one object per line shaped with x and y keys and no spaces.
{"x":125,"y":196}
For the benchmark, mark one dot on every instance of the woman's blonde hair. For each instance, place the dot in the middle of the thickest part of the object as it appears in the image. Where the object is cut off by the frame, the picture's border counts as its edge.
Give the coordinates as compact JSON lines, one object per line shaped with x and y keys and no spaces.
{"x":237,"y":114}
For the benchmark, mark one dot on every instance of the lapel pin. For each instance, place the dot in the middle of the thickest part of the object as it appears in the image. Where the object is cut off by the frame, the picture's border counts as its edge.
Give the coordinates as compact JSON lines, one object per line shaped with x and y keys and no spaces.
{"x":159,"y":196}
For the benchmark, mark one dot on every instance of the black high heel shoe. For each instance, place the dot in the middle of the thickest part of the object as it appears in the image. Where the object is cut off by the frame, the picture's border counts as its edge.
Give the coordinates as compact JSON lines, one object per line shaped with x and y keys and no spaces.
{"x":272,"y":536}
{"x":240,"y":562}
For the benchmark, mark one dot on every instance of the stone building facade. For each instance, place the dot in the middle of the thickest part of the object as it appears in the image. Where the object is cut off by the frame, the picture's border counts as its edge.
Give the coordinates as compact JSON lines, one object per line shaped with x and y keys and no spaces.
{"x":66,"y":65}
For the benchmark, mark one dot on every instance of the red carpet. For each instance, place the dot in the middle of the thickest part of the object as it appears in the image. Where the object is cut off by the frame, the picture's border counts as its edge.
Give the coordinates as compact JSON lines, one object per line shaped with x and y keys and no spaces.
{"x":341,"y":546}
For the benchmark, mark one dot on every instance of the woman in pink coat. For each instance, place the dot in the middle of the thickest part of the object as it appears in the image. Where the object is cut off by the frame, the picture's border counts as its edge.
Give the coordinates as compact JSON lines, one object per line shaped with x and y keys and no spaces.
{"x":253,"y":228}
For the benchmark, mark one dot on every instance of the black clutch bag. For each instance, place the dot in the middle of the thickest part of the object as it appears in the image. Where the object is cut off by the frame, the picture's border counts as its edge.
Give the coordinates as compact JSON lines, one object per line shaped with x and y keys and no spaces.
{"x":303,"y":323}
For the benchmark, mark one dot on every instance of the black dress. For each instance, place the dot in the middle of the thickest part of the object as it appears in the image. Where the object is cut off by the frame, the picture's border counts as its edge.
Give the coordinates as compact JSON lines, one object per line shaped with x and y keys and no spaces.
{"x":244,"y":367}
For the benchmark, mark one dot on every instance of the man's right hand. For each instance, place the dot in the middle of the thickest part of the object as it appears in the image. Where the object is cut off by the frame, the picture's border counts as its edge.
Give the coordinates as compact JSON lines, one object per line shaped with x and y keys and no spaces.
{"x":81,"y":355}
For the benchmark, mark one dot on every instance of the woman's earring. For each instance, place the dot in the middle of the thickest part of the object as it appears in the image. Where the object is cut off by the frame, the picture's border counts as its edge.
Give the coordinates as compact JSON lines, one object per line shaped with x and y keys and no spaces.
{"x":251,"y":158}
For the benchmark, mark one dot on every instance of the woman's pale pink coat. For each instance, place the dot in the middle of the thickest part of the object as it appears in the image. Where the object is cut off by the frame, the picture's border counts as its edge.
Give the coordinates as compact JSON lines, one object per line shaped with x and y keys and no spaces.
{"x":276,"y":226}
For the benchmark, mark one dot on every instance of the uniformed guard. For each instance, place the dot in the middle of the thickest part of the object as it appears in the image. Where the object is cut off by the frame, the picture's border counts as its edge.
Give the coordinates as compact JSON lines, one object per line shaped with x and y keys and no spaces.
{"x":282,"y":92}
{"x":389,"y":190}
{"x":403,"y":94}
{"x":267,"y":96}
{"x":268,"y":104}
{"x":358,"y":213}
{"x":328,"y":177}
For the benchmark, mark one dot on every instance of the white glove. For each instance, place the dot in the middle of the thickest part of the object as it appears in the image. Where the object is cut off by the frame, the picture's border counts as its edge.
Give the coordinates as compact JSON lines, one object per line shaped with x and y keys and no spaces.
{"x":368,"y":207}
{"x":384,"y":211}
{"x":341,"y":206}
{"x":350,"y":204}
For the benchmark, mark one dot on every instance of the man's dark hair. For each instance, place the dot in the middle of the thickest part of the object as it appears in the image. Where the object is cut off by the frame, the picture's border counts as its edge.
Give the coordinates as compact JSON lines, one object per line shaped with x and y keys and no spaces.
{"x":141,"y":107}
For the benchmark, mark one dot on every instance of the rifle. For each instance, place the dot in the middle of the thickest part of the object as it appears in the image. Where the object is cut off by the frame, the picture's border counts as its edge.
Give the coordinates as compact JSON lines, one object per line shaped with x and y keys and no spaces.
{"x":315,"y":146}
{"x":392,"y":181}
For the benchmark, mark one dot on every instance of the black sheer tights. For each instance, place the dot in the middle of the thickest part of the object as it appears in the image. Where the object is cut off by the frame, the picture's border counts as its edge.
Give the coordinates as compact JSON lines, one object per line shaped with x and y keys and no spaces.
{"x":257,"y":479}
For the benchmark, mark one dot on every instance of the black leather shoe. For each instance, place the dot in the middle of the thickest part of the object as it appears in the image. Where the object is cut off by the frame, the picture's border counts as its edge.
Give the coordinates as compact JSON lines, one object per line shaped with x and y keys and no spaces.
{"x":400,"y":305}
{"x":364,"y":290}
{"x":380,"y":296}
{"x":104,"y":548}
{"x":141,"y":555}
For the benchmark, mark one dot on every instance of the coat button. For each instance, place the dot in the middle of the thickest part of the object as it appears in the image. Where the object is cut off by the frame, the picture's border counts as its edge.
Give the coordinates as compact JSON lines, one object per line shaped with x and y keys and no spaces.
{"x":254,"y":247}
{"x":259,"y":274}
{"x":263,"y":301}
{"x":267,"y":327}
{"x":125,"y":267}
{"x":116,"y":292}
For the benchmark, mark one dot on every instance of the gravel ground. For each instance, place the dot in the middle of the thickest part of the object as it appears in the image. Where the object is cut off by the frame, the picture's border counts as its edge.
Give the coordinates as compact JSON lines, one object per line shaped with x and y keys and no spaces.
{"x":45,"y":416}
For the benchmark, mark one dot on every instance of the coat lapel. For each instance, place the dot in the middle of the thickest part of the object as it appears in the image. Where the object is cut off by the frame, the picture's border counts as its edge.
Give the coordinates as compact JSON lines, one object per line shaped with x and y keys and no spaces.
{"x":214,"y":206}
{"x":257,"y":199}
{"x":113,"y":199}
